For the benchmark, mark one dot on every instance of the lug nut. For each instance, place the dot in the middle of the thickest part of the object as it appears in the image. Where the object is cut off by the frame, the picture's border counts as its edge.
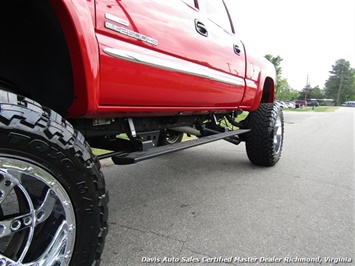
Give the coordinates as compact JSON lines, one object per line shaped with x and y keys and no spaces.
{"x":15,"y":225}
{"x":27,"y":221}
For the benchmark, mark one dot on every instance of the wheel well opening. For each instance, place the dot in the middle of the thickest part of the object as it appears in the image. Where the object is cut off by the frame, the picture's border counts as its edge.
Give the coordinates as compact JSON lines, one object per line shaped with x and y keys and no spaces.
{"x":268,"y":91}
{"x":34,"y":57}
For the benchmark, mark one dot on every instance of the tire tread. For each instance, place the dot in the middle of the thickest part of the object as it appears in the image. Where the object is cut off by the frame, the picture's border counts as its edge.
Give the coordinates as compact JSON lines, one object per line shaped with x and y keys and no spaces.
{"x":259,"y":142}
{"x":22,"y":115}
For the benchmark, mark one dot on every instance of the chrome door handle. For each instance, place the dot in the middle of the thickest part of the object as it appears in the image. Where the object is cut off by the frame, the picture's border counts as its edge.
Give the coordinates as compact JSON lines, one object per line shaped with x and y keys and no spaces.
{"x":201,"y":28}
{"x":237,"y":49}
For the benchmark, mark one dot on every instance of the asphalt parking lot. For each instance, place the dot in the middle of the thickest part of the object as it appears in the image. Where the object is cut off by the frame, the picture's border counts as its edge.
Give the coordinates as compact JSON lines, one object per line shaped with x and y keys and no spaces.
{"x":209,"y":206}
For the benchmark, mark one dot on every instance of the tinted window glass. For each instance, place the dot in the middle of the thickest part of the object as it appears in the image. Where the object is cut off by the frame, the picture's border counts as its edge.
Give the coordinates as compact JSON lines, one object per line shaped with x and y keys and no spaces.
{"x":216,"y":11}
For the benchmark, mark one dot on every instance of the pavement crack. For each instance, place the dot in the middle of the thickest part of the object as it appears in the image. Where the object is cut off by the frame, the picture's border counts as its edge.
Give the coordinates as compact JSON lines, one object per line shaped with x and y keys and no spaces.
{"x":164,"y":236}
{"x":173,"y":168}
{"x":198,"y":253}
{"x":146,"y":230}
{"x":182,"y":246}
{"x":131,"y":228}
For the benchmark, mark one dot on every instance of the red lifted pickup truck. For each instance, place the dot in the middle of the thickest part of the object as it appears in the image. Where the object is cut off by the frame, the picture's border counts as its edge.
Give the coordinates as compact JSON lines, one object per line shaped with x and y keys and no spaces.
{"x":82,"y":73}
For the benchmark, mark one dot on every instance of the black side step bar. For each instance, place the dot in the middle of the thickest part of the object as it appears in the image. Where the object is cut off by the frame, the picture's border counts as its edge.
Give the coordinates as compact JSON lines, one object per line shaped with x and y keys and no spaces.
{"x":138,"y":156}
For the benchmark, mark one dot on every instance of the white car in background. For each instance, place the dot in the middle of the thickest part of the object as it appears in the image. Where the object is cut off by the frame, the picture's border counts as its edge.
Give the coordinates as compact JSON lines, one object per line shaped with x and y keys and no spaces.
{"x":290,"y":104}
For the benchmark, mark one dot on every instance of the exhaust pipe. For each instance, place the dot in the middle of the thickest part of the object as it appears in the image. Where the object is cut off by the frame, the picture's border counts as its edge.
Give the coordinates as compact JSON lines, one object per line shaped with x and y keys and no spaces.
{"x":187,"y":130}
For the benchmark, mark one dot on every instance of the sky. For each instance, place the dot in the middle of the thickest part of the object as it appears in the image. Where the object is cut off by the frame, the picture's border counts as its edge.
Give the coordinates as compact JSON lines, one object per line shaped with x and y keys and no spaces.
{"x":310,"y":35}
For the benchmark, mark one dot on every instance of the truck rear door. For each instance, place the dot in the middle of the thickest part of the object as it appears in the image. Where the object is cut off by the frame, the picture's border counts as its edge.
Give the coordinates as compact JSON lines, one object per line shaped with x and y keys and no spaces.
{"x":228,"y":57}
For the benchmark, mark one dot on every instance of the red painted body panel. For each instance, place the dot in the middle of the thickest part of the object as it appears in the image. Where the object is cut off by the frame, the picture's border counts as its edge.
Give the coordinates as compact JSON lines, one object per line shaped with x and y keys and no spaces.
{"x":130,"y":84}
{"x":259,"y":70}
{"x":78,"y":24}
{"x":148,"y":59}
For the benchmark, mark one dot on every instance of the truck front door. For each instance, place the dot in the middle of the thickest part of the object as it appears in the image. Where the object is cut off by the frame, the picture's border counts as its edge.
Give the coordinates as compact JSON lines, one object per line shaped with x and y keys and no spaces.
{"x":154,"y":54}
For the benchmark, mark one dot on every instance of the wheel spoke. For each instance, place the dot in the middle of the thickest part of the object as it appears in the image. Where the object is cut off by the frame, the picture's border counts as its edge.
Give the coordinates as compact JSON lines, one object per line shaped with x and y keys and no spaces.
{"x":54,"y":253}
{"x":45,"y":210}
{"x":29,"y":197}
{"x":6,"y":185}
{"x":15,"y":224}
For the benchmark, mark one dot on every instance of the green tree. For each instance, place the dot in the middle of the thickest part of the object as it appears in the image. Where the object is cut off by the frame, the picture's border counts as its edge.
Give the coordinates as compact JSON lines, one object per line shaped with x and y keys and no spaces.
{"x":282,"y":87}
{"x":304,"y":94}
{"x":340,"y":85}
{"x":316,"y":93}
{"x":309,"y":92}
{"x":276,"y":61}
{"x":286,"y":93}
{"x":294,"y":95}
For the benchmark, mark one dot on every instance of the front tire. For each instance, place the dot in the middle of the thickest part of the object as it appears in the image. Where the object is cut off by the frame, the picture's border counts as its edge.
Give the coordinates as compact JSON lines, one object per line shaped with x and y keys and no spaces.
{"x":265,"y":140}
{"x":53,"y":202}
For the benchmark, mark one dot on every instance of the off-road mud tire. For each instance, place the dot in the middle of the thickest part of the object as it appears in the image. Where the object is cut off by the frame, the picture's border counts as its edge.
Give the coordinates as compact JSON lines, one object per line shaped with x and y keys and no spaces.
{"x":40,"y":142}
{"x":265,"y":140}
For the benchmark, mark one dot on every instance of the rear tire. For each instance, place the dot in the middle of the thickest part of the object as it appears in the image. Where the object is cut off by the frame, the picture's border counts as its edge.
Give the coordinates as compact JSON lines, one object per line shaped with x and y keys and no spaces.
{"x":265,"y":140}
{"x":169,"y":137}
{"x":52,"y":192}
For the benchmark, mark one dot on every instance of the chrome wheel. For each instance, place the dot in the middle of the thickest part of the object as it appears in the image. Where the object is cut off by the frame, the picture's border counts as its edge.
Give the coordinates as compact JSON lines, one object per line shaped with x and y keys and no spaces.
{"x":53,"y":199}
{"x":37,"y":221}
{"x":172,"y":138}
{"x":278,"y":133}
